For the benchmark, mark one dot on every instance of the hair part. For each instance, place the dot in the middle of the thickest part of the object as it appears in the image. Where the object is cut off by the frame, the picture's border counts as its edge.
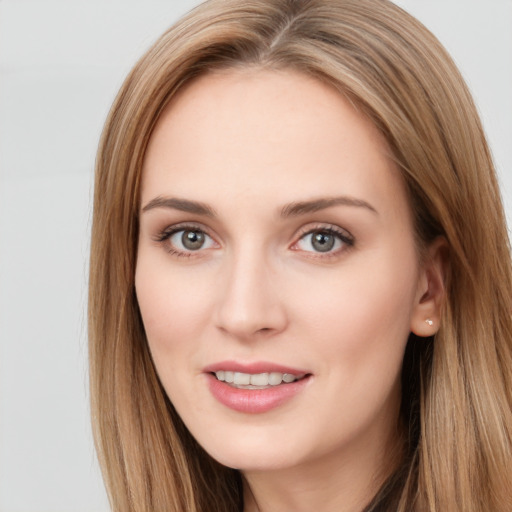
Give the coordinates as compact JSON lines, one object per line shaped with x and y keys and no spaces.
{"x":457,"y":388}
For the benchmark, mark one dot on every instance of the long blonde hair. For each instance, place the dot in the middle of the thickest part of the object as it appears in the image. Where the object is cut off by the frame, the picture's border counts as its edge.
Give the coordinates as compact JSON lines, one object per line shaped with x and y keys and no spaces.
{"x":457,"y":388}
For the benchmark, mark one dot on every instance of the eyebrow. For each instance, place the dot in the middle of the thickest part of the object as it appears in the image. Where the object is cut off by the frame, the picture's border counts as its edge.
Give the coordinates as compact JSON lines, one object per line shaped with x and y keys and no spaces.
{"x":315,"y":205}
{"x":184,"y":205}
{"x":294,"y":209}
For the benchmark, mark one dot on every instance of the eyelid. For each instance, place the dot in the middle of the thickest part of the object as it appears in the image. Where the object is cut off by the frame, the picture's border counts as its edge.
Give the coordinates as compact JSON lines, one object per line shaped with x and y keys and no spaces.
{"x":166,"y":232}
{"x":164,"y":236}
{"x":346,"y":238}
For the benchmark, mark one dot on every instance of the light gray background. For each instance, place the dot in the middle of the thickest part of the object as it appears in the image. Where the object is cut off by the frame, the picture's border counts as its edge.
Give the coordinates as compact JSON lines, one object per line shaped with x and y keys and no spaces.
{"x":61,"y":63}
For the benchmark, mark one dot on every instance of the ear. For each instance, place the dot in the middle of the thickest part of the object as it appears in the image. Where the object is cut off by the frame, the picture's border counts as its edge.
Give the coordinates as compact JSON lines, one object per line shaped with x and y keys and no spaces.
{"x":426,"y":314}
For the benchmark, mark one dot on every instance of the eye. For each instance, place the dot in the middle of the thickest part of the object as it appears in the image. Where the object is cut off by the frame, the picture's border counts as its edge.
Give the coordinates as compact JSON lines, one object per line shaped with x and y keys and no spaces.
{"x":189,"y":240}
{"x":184,"y":240}
{"x":324,"y":240}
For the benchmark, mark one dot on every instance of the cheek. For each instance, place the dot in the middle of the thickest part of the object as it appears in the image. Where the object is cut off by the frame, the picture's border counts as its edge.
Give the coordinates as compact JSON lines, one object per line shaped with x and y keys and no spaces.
{"x":173,"y":306}
{"x":362,"y":313}
{"x":174,"y":310}
{"x":359,"y":330}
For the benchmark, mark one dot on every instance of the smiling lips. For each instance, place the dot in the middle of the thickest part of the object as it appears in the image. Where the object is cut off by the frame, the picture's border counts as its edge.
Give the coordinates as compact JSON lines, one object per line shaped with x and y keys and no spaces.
{"x":253,"y":390}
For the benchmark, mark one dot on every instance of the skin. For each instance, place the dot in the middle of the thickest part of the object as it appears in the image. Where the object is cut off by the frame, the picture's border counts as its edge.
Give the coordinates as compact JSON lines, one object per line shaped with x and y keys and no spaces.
{"x":247,"y":143}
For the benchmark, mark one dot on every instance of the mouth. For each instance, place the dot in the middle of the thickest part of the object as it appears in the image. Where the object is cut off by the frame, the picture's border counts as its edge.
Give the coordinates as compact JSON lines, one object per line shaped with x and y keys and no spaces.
{"x":256,"y":387}
{"x":240,"y":380}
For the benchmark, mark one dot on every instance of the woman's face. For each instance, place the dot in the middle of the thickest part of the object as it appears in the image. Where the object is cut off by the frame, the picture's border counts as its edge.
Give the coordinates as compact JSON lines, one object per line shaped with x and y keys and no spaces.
{"x":276,"y":245}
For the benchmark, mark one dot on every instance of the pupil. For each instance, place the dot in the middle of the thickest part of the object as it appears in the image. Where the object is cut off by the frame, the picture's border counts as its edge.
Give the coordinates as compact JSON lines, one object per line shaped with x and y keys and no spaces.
{"x":323,"y":242}
{"x":192,"y":240}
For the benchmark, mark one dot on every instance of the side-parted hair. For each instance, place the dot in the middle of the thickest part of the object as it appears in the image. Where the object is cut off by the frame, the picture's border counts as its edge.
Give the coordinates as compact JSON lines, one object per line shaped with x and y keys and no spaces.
{"x":457,"y":386}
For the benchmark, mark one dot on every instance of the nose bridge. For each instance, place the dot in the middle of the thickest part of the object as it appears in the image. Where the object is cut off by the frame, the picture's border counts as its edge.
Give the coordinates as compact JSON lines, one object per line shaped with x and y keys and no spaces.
{"x":250,"y":302}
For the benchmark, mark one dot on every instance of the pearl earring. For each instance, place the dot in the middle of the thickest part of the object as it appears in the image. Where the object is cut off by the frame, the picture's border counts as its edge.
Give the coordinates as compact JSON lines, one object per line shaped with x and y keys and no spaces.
{"x":429,"y":322}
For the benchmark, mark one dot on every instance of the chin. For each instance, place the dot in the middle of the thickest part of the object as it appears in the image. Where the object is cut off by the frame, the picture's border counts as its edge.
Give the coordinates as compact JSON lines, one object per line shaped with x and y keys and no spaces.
{"x":250,"y":462}
{"x":249,"y":452}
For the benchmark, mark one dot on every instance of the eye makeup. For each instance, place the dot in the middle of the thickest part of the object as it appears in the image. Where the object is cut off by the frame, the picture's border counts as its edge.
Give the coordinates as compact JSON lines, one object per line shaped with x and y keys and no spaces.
{"x":185,"y":240}
{"x":317,"y":241}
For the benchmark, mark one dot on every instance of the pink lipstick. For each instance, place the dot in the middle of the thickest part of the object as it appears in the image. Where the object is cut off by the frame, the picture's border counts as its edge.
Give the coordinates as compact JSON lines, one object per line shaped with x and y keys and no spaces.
{"x":256,"y":387}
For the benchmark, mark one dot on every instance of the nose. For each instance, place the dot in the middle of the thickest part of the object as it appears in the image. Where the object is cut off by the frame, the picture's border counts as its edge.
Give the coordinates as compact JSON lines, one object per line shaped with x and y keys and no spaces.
{"x":251,"y":303}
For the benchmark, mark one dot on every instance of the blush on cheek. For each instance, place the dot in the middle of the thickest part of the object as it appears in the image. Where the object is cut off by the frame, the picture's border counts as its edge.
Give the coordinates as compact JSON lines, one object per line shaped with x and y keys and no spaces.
{"x":372,"y":321}
{"x":172,"y":319}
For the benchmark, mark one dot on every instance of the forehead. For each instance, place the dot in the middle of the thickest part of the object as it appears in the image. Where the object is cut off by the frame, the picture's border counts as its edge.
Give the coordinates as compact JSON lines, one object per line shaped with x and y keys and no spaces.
{"x":279,"y":134}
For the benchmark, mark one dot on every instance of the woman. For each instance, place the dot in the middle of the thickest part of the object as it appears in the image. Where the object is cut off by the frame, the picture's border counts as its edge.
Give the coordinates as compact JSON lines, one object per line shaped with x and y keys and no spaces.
{"x":300,"y":271}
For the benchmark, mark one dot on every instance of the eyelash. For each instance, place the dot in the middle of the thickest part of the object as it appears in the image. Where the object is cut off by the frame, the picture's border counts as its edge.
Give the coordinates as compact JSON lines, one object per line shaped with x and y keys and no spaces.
{"x":343,"y":236}
{"x":347,"y":240}
{"x":165,"y":236}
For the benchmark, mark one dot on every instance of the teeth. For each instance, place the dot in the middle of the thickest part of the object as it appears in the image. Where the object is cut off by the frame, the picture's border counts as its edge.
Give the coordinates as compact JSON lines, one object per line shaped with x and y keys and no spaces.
{"x":257,"y":379}
{"x":261,"y":379}
{"x":274,"y":378}
{"x":242,"y":379}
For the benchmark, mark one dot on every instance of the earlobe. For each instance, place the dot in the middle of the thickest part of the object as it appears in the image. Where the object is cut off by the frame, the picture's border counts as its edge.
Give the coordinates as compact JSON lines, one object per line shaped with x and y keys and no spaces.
{"x":426,"y":315}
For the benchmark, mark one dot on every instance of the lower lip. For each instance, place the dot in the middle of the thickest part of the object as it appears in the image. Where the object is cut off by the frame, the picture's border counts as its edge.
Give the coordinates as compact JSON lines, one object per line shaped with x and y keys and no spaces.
{"x":254,"y":401}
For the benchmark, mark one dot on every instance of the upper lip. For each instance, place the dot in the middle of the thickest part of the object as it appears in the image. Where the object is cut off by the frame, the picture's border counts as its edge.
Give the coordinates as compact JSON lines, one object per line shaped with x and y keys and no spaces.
{"x":253,"y":367}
